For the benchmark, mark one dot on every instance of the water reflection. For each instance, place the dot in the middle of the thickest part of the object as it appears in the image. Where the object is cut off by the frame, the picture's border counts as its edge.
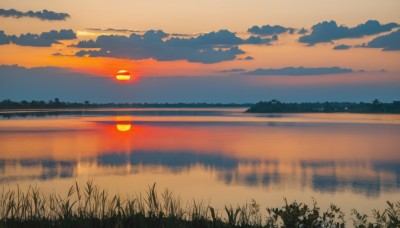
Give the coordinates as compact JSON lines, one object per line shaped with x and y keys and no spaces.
{"x":118,"y":112}
{"x":36,"y":169}
{"x":123,"y":123}
{"x":123,"y":127}
{"x":275,"y":153}
{"x":369,"y":179}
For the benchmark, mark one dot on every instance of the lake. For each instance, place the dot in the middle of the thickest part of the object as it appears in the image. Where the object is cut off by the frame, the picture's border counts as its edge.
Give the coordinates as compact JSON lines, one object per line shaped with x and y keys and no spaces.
{"x":223,"y":156}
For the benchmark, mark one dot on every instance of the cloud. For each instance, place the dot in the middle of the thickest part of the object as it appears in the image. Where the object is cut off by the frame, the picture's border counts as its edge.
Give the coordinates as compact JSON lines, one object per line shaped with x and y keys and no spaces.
{"x":302,"y":31}
{"x":342,"y":47}
{"x":389,"y":42}
{"x":63,"y":34}
{"x":118,"y":30}
{"x":185,"y":34}
{"x":299,"y":71}
{"x":42,"y":15}
{"x":221,"y":37}
{"x":246,"y":58}
{"x":33,"y":40}
{"x":86,"y":44}
{"x":329,"y":31}
{"x":268,"y":30}
{"x":259,"y":40}
{"x":4,"y":39}
{"x":123,"y":30}
{"x":236,"y":70}
{"x":206,"y":48}
{"x":45,"y":39}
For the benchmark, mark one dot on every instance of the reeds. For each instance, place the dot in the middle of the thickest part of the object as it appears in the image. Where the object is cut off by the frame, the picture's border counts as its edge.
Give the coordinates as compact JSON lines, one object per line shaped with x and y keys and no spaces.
{"x":90,"y":206}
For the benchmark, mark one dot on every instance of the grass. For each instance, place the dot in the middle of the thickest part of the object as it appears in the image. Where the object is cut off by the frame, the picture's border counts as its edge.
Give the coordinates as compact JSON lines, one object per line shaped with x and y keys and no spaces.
{"x":90,"y":206}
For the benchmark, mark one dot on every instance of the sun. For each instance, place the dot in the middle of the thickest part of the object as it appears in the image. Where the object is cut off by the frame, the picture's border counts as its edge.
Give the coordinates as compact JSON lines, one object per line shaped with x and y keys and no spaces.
{"x":123,"y":127}
{"x":123,"y":123}
{"x":123,"y":75}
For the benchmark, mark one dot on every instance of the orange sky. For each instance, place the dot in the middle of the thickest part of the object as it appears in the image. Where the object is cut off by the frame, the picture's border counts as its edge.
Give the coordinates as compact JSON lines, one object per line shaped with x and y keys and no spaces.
{"x":192,"y":17}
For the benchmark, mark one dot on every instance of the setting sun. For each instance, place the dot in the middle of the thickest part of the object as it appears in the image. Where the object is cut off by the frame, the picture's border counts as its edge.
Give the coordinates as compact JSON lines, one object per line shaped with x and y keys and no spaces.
{"x":123,"y":75}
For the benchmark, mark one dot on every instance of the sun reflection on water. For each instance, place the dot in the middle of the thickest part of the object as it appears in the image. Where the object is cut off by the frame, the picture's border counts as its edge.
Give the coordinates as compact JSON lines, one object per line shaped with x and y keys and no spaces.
{"x":123,"y":123}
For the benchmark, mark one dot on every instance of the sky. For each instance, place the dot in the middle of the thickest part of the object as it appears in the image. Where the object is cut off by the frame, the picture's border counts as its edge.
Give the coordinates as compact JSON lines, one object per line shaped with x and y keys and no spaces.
{"x":200,"y":51}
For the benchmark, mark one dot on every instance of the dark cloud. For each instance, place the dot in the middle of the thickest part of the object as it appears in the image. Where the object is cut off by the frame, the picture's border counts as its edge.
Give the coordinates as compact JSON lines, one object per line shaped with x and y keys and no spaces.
{"x":236,"y":70}
{"x":119,"y":30}
{"x":184,"y":34}
{"x":33,"y":40}
{"x":299,"y":71}
{"x":4,"y":39}
{"x":63,"y":34}
{"x":329,"y":31}
{"x":342,"y":47}
{"x":268,"y":30}
{"x":246,"y":58}
{"x":221,"y":37}
{"x":45,"y":39}
{"x":389,"y":42}
{"x":259,"y":40}
{"x":86,"y":44}
{"x":211,"y":47}
{"x":42,"y":15}
{"x":302,"y":31}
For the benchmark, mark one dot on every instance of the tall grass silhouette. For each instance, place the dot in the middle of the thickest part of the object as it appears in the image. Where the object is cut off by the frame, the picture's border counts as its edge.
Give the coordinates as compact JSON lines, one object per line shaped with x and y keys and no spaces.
{"x":91,"y":206}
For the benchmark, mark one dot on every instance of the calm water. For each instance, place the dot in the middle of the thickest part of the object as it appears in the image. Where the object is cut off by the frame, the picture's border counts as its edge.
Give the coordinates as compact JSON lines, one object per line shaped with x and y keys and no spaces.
{"x":223,"y":156}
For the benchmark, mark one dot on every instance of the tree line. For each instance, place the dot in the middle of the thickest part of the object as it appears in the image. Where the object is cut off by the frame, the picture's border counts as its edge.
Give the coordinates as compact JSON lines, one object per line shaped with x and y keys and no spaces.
{"x":57,"y":104}
{"x":272,"y":106}
{"x":275,"y":106}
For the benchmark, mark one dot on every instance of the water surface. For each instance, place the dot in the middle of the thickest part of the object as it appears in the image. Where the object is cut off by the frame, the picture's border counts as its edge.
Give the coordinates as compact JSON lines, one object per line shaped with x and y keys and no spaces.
{"x":223,"y":156}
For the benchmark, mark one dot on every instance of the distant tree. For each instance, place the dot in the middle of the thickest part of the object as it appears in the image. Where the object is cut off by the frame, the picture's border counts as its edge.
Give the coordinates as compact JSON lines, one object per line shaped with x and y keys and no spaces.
{"x":328,"y":107}
{"x":376,"y":106}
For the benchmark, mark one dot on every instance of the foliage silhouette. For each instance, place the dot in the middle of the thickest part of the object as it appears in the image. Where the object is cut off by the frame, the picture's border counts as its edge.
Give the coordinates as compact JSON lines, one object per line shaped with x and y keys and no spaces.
{"x":275,"y":106}
{"x":91,"y":206}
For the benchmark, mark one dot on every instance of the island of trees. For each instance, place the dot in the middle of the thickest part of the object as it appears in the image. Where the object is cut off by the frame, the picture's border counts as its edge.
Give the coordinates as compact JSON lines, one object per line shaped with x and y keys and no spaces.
{"x":275,"y":106}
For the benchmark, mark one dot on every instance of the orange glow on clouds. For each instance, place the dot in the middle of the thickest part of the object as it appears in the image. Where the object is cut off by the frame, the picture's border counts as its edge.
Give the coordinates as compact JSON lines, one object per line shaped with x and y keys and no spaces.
{"x":101,"y":66}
